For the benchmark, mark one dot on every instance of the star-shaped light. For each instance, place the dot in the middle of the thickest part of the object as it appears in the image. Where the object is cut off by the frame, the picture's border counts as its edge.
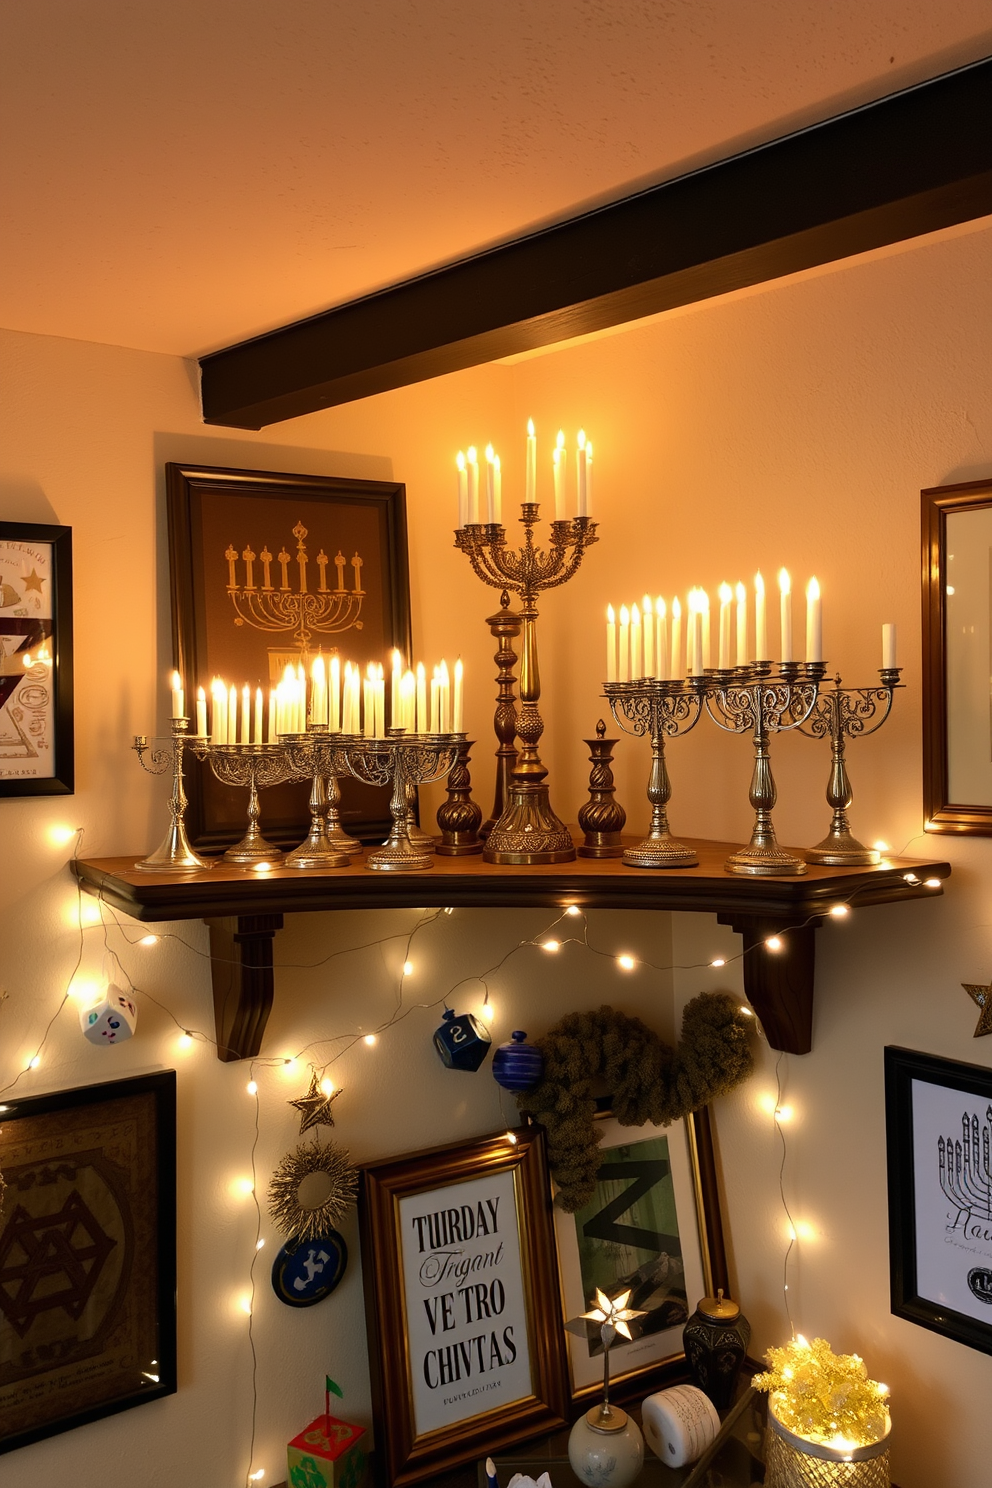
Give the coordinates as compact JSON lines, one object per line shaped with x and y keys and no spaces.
{"x":315,"y":1106}
{"x":614,"y":1312}
{"x":983,"y":997}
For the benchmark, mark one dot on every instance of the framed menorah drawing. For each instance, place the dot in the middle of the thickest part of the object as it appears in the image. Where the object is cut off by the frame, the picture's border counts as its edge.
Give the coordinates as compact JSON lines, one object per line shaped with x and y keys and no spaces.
{"x":271,"y":569}
{"x":938,"y":1117}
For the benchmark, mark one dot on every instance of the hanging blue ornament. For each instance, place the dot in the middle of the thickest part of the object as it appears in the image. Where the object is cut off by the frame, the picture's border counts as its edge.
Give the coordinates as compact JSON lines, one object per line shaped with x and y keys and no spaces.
{"x":461,"y":1041}
{"x":307,"y":1271}
{"x":518,"y":1065}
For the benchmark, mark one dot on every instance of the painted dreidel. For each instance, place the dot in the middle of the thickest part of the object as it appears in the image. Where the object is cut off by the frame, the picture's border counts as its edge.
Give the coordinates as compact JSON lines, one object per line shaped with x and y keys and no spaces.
{"x":111,"y":1020}
{"x":461,"y":1041}
{"x":329,"y":1453}
{"x":518,"y":1065}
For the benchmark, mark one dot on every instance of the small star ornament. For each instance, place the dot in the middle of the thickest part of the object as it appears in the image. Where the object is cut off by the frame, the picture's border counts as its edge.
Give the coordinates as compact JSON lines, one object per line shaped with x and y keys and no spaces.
{"x":615,"y":1312}
{"x":315,"y":1106}
{"x":983,"y":997}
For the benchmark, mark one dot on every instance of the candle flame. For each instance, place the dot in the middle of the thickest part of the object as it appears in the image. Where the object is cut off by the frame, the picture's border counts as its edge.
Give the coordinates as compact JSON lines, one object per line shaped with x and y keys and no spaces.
{"x":813,"y":589}
{"x":659,"y":608}
{"x":784,"y":582}
{"x":490,"y":453}
{"x":759,"y":585}
{"x":473,"y":455}
{"x":611,"y":617}
{"x":460,"y":460}
{"x":646,"y":605}
{"x":582,"y":439}
{"x":726,"y":594}
{"x":177,"y":682}
{"x":676,"y":608}
{"x":530,"y":428}
{"x":741,"y":593}
{"x":624,"y":615}
{"x":561,"y":439}
{"x":635,"y":615}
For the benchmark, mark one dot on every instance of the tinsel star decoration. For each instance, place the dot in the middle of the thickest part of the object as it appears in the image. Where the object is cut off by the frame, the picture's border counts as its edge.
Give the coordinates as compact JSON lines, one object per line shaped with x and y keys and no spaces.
{"x":983,"y":997}
{"x":315,"y":1106}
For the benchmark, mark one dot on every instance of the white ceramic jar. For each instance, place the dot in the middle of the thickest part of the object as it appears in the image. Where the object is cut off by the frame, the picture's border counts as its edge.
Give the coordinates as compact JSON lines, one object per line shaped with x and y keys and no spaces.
{"x":606,"y":1448}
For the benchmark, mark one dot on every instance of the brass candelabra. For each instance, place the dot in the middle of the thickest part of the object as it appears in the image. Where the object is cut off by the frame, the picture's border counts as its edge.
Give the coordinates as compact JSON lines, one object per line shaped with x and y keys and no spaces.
{"x":174,"y":855}
{"x":840,"y":714}
{"x":528,"y":831}
{"x":662,"y":710}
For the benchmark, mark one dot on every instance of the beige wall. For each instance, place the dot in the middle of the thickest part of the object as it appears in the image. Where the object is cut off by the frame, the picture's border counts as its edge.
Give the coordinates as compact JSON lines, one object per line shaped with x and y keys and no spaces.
{"x":793,"y":426}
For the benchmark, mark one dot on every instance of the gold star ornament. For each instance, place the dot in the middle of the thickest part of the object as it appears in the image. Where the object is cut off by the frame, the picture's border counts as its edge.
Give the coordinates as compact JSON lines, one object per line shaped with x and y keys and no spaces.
{"x":33,"y":580}
{"x":983,"y":997}
{"x":614,"y":1311}
{"x":315,"y":1106}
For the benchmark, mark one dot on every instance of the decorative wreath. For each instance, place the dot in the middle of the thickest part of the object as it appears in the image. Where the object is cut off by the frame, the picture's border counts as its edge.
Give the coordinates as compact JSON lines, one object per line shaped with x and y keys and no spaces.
{"x":285,"y":1209}
{"x":647,"y":1080}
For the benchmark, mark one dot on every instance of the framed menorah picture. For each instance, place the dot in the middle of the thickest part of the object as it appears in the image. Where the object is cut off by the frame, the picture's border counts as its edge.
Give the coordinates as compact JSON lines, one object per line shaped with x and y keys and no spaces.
{"x":268,"y":571}
{"x":938,"y":1117}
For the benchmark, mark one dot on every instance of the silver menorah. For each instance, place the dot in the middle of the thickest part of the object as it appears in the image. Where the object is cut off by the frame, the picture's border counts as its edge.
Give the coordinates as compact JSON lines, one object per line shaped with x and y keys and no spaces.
{"x":661,"y":710}
{"x":838,"y":715}
{"x":174,"y":855}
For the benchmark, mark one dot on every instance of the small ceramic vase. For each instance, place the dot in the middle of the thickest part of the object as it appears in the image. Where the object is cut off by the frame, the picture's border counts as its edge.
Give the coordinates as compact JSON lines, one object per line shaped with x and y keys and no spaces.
{"x":606,"y":1448}
{"x":715,"y":1340}
{"x":518,"y":1065}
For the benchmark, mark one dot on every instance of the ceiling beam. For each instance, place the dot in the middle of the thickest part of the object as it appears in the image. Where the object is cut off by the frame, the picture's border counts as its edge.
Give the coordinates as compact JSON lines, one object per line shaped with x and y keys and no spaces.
{"x":908,"y":164}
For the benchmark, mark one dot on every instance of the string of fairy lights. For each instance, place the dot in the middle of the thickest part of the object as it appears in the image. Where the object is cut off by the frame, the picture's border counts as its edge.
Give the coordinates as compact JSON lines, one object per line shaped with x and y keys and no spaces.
{"x":556,"y":937}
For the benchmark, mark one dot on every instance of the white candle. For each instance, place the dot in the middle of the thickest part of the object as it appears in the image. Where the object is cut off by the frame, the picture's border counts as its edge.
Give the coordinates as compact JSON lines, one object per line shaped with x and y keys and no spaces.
{"x":661,"y":638}
{"x":888,"y":646}
{"x":636,"y":668}
{"x":588,"y":510}
{"x":435,"y":721}
{"x":472,"y":460}
{"x":178,"y":701}
{"x":368,"y":718}
{"x":219,"y":691}
{"x":380,"y":701}
{"x":742,"y":657}
{"x":334,"y":696}
{"x":497,"y":490}
{"x":356,"y":699}
{"x":318,"y":701}
{"x":346,"y":720}
{"x":301,"y":699}
{"x":462,"y":489}
{"x":530,"y":493}
{"x":676,"y":668}
{"x":611,"y":644}
{"x":785,"y":607}
{"x":559,"y":467}
{"x":490,"y":483}
{"x":693,"y":635}
{"x":580,"y":475}
{"x":394,"y":689}
{"x":704,"y":616}
{"x":201,"y":712}
{"x":256,"y":737}
{"x":760,"y":620}
{"x":245,"y":734}
{"x":623,"y":659}
{"x":422,"y":720}
{"x":647,"y":636}
{"x":272,"y":716}
{"x":457,"y":710}
{"x":232,"y":716}
{"x":408,"y":699}
{"x":814,"y":622}
{"x":444,"y":698}
{"x":726,"y":598}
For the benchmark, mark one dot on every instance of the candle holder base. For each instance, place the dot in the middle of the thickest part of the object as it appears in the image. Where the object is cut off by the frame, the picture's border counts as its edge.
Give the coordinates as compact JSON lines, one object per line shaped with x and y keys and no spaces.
{"x":529,"y":832}
{"x":459,"y":816}
{"x":399,"y":855}
{"x":842,"y":850}
{"x":765,"y":861}
{"x":174,"y":855}
{"x":663,"y":851}
{"x":608,"y":845}
{"x":253,"y":848}
{"x":318,"y":851}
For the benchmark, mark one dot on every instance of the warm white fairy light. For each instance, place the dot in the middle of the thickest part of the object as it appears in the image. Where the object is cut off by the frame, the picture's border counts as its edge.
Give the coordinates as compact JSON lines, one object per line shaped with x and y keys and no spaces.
{"x":626,"y":963}
{"x":34,"y":1063}
{"x":245,"y":1186}
{"x":327,"y":1085}
{"x":147,"y":940}
{"x":550,"y":945}
{"x":185,"y":1039}
{"x":573,"y":910}
{"x":783,"y":1113}
{"x":245,"y":1305}
{"x":371,"y":1040}
{"x":931,"y":883}
{"x":263,"y":867}
{"x":880,"y":846}
{"x":511,"y":1138}
{"x":59,"y":834}
{"x":773,"y":943}
{"x":719,"y":961}
{"x":840,"y":910}
{"x":911,"y":878}
{"x":407,"y":968}
{"x":252,"y":1087}
{"x":487,"y":1012}
{"x":259,"y":1244}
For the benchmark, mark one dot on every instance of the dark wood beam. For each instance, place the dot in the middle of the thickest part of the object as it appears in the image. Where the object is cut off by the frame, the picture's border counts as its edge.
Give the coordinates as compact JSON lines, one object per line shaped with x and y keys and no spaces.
{"x":913,"y":162}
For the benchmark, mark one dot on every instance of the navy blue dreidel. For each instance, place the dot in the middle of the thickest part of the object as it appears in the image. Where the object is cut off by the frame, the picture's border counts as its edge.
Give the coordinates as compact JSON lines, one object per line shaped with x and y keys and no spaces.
{"x":518,"y":1065}
{"x":462,"y":1041}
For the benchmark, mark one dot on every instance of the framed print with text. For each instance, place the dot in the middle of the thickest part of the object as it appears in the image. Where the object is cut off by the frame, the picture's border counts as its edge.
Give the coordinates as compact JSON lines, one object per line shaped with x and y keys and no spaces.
{"x":461,"y":1301}
{"x":957,"y":658}
{"x":87,"y":1255}
{"x":268,"y":570}
{"x":938,"y":1121}
{"x":36,"y":733}
{"x":649,"y":1228}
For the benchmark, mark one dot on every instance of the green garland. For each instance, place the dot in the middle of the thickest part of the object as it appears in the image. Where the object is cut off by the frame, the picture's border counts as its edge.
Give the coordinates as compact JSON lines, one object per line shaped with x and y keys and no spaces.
{"x":647,"y":1080}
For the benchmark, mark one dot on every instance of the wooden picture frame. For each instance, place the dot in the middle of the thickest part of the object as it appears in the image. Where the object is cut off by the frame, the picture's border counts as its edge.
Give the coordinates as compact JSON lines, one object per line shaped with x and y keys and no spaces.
{"x":597,"y":1246}
{"x":36,"y":723}
{"x":428,"y":1291}
{"x":957,"y":642}
{"x":87,"y":1255}
{"x":258,"y":559}
{"x":940,"y":1194}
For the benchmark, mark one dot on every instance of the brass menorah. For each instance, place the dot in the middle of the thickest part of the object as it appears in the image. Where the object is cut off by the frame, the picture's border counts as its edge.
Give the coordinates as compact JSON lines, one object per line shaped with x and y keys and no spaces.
{"x":280,"y":606}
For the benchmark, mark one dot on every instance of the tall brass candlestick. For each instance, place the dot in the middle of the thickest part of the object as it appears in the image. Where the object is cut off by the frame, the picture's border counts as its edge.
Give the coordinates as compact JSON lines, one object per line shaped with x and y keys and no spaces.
{"x":528,"y":830}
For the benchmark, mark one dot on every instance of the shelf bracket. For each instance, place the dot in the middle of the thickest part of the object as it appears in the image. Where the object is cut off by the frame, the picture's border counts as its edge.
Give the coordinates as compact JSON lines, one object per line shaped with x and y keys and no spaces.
{"x":241,"y":969}
{"x":779,"y":984}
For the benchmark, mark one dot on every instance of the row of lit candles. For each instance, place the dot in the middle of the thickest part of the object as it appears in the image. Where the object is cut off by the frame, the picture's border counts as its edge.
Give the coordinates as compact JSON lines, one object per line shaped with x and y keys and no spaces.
{"x":335,"y":697}
{"x":470,"y":502}
{"x":648,"y":640}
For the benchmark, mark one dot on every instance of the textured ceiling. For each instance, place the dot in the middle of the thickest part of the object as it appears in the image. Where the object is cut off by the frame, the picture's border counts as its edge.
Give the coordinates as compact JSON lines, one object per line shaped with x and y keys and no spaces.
{"x":177,"y":176}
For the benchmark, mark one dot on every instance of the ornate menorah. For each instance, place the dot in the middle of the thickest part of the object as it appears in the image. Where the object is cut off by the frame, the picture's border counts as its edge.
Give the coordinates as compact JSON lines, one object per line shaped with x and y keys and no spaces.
{"x":323,"y":756}
{"x":174,"y":855}
{"x":303,"y":610}
{"x":662,"y":710}
{"x":402,"y":760}
{"x":255,"y":766}
{"x":528,"y":830}
{"x":844,"y":713}
{"x":965,"y":1174}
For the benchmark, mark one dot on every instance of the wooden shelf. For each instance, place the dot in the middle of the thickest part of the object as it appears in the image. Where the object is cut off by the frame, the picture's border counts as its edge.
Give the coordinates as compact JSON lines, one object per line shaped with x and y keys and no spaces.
{"x":244,"y":909}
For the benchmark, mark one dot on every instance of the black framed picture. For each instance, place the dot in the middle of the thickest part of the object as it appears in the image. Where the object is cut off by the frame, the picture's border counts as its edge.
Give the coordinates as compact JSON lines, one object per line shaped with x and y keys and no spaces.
{"x":938,"y":1117}
{"x":269,"y":570}
{"x":36,"y":737}
{"x":87,"y":1254}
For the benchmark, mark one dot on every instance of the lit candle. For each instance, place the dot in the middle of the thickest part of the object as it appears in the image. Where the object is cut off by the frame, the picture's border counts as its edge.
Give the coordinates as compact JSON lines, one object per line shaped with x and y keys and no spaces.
{"x":422,"y":720}
{"x":256,"y":737}
{"x":888,"y":646}
{"x":457,"y":711}
{"x":693,"y":635}
{"x":473,"y":484}
{"x":559,"y":469}
{"x":676,"y":667}
{"x":611,"y":644}
{"x":490,"y":483}
{"x":785,"y":596}
{"x":368,"y":690}
{"x":760,"y":620}
{"x":462,"y":489}
{"x":408,"y":702}
{"x":178,"y":701}
{"x":647,"y":636}
{"x":623,"y":659}
{"x":347,"y":725}
{"x":379,"y":698}
{"x":588,"y":510}
{"x":704,"y":615}
{"x":245,"y":714}
{"x":356,"y":699}
{"x":444,"y":698}
{"x":301,"y":699}
{"x":580,"y":476}
{"x":201,"y":712}
{"x":232,"y":715}
{"x":394,"y":690}
{"x":661,"y":637}
{"x":318,"y":699}
{"x":219,"y":692}
{"x":742,"y":657}
{"x":814,"y":622}
{"x":435,"y":726}
{"x":530,"y":493}
{"x":726,"y":599}
{"x":498,"y":490}
{"x":636,"y":670}
{"x":272,"y":715}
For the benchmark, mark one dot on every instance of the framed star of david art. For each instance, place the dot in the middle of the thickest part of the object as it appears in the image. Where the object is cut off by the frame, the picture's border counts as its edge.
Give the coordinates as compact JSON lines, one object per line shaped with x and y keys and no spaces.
{"x":36,"y":740}
{"x":87,"y":1255}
